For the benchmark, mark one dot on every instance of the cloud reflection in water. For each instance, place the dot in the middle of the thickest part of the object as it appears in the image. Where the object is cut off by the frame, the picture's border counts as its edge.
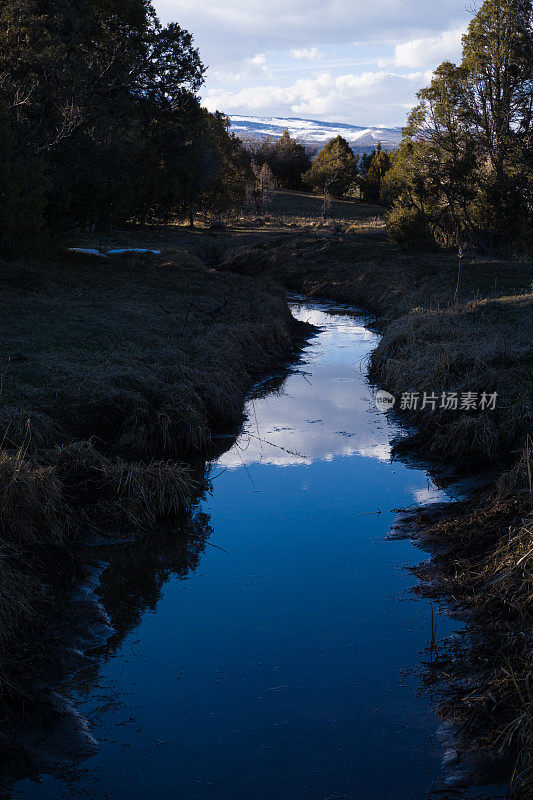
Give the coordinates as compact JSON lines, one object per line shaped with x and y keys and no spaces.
{"x":322,"y":413}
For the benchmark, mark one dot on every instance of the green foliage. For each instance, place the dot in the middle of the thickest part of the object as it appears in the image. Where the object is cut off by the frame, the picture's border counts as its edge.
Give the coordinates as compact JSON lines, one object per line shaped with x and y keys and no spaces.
{"x":217,"y":169}
{"x":466,"y":163}
{"x":406,"y":227}
{"x":377,"y":166}
{"x":334,"y":169}
{"x":290,"y":160}
{"x":101,"y":121}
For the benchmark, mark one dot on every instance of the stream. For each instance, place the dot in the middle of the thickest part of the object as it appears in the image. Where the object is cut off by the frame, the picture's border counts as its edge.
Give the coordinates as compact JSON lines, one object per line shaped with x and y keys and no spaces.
{"x":275,"y":656}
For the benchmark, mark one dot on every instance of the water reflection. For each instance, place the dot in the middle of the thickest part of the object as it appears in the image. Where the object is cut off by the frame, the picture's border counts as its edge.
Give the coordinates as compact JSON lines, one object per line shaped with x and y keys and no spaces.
{"x":265,"y":653}
{"x":320,"y":411}
{"x":135,"y":574}
{"x":51,"y":736}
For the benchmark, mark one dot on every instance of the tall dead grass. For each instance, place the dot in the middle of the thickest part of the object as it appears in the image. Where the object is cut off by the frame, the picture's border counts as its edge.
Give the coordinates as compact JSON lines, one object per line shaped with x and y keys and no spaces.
{"x":484,"y":347}
{"x":32,"y":506}
{"x":122,"y":373}
{"x":135,"y":494}
{"x":485,"y":677}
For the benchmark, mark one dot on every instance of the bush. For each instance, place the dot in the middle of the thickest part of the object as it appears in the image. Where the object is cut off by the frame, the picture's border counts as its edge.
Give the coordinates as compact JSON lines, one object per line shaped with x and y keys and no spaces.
{"x":406,"y":227}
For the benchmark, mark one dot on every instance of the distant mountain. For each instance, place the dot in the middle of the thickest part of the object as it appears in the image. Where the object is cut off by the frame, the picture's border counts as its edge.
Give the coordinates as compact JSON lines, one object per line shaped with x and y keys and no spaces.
{"x":314,"y":133}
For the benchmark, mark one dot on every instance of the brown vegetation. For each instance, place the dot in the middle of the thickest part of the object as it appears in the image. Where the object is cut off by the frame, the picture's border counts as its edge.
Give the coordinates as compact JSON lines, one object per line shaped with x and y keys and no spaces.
{"x":484,"y":678}
{"x":140,"y":359}
{"x":116,"y":373}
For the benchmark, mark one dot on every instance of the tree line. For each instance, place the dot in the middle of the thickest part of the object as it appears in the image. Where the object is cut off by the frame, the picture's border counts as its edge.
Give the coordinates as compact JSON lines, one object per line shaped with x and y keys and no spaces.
{"x":100,"y":120}
{"x":334,"y":171}
{"x":463,"y":173}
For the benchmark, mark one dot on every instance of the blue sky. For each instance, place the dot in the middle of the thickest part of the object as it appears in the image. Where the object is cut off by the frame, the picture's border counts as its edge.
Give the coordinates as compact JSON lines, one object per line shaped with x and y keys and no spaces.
{"x":355,"y":61}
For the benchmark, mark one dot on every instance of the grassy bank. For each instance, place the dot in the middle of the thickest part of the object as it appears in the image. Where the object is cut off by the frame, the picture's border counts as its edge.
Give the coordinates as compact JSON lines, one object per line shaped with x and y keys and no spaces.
{"x":116,"y":373}
{"x":450,"y":323}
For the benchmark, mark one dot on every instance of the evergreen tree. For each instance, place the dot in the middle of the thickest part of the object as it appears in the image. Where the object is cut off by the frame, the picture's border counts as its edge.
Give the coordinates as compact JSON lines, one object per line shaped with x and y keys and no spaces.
{"x":290,"y":160}
{"x":370,"y":185}
{"x":334,"y":169}
{"x":217,"y":169}
{"x":100,"y":118}
{"x":286,"y":158}
{"x":465,"y":164}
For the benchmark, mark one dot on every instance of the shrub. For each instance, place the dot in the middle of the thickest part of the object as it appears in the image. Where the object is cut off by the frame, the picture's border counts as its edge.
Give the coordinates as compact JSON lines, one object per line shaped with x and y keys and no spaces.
{"x":406,"y":227}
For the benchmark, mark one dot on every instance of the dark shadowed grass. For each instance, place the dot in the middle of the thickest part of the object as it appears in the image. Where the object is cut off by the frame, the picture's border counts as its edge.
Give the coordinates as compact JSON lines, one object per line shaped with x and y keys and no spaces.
{"x":115,"y":374}
{"x":483,"y":346}
{"x":484,"y":567}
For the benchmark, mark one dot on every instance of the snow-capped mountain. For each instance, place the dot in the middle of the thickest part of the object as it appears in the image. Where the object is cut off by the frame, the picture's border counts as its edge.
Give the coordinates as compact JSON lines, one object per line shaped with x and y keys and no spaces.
{"x":314,"y":133}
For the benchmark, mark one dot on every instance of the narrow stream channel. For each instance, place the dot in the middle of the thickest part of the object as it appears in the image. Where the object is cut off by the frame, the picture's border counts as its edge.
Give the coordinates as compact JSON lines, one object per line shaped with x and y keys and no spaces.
{"x":277,"y":661}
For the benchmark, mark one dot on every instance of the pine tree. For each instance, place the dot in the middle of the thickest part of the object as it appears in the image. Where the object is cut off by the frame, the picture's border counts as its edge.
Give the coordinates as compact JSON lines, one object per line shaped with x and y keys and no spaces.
{"x":290,"y":160}
{"x":466,"y":162}
{"x":286,"y":158}
{"x":370,"y":184}
{"x":100,"y":118}
{"x":334,"y":169}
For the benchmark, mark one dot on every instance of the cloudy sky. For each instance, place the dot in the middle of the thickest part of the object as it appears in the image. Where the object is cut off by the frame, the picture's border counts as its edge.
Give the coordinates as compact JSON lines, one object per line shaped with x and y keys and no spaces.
{"x":355,"y":61}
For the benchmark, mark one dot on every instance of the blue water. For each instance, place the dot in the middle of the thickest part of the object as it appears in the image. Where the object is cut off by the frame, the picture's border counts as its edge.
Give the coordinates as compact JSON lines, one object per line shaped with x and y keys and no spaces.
{"x":279,"y":663}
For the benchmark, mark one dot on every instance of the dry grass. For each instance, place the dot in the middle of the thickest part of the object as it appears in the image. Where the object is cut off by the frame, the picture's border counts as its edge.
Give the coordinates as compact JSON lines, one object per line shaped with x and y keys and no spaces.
{"x":28,"y":430}
{"x":485,"y":678}
{"x":484,"y":346}
{"x":115,"y":372}
{"x":135,"y":494}
{"x":32,"y":507}
{"x":364,"y":269}
{"x":295,"y":206}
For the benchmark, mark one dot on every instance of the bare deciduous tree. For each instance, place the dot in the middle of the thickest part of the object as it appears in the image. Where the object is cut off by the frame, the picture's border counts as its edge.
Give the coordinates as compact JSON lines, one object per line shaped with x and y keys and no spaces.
{"x":260,"y":191}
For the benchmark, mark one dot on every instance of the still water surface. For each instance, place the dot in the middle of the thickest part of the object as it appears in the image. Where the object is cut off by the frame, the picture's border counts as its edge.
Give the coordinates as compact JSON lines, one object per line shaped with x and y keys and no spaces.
{"x":275,"y":663}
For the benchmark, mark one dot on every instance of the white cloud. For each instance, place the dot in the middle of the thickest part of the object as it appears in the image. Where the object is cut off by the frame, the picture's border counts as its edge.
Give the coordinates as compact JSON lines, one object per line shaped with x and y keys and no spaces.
{"x":235,"y":28}
{"x":250,"y":68}
{"x":429,"y":50}
{"x":262,"y":57}
{"x":307,"y":53}
{"x":342,"y":97}
{"x":258,"y":61}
